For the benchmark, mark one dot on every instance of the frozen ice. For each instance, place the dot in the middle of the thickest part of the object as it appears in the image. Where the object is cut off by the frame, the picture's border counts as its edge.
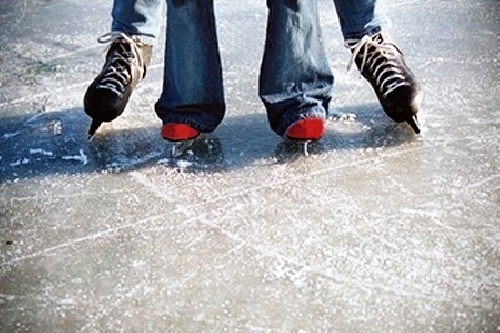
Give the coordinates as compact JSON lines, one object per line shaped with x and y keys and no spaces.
{"x":376,"y":229}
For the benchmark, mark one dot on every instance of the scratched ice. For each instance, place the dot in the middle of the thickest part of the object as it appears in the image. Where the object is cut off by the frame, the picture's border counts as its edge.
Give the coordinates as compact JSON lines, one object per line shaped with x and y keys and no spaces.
{"x":376,"y":230}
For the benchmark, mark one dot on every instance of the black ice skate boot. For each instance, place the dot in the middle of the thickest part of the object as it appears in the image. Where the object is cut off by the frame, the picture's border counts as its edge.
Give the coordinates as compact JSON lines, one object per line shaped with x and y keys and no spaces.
{"x":107,"y":96}
{"x":382,"y":63}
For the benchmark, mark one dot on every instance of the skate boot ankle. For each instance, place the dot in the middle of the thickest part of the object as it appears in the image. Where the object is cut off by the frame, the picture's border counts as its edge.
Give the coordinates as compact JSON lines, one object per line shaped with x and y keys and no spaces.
{"x":381,"y":62}
{"x":108,"y":95}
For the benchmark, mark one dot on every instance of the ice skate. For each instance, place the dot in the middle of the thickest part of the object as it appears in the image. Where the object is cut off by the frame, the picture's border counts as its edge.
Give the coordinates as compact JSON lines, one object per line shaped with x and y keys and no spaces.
{"x":181,"y":135}
{"x":125,"y":66}
{"x":382,"y":63}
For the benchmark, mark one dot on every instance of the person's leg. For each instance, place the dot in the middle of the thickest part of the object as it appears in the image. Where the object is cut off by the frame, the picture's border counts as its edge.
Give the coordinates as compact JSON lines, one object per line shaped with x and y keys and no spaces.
{"x":379,"y":59}
{"x":359,"y":17}
{"x":296,"y":80}
{"x":192,"y":100}
{"x":133,"y":29}
{"x":136,"y":17}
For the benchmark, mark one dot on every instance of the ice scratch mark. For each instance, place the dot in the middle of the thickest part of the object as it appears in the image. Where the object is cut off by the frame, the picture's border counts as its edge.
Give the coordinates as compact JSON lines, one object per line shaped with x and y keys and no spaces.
{"x":30,"y":119}
{"x":421,"y":212}
{"x":97,"y":235}
{"x":21,"y":16}
{"x":82,"y":157}
{"x":119,"y":166}
{"x":481,"y":182}
{"x":44,"y":94}
{"x":159,"y":192}
{"x":41,"y":151}
{"x":10,"y":135}
{"x":410,"y":291}
{"x":145,"y":159}
{"x":67,"y":196}
{"x":130,"y":293}
{"x":138,"y":160}
{"x":252,"y":189}
{"x":301,"y":270}
{"x":237,"y":238}
{"x":9,"y":297}
{"x":70,"y":54}
{"x":45,"y":299}
{"x":241,"y":192}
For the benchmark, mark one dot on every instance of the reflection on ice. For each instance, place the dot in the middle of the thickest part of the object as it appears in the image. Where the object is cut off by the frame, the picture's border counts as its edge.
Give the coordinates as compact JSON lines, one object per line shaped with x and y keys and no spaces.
{"x":201,"y":154}
{"x":289,"y":150}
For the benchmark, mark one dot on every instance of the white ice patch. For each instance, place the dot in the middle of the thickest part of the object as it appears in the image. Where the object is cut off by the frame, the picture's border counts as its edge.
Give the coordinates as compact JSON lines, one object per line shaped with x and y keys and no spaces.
{"x":338,"y":115}
{"x":179,"y":163}
{"x":163,"y":161}
{"x":283,"y":270}
{"x":116,"y":167}
{"x":141,"y":160}
{"x":66,"y":302}
{"x":7,"y":297}
{"x":138,"y":263}
{"x":40,"y":151}
{"x":183,"y":164}
{"x":82,"y":157}
{"x":20,"y":161}
{"x":10,"y":135}
{"x":113,"y":168}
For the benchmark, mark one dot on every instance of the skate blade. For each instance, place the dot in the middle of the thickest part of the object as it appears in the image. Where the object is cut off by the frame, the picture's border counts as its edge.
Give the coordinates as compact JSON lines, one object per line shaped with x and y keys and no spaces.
{"x":93,"y":128}
{"x":303,"y":143}
{"x":413,"y":122}
{"x":180,"y":148}
{"x":305,"y":151}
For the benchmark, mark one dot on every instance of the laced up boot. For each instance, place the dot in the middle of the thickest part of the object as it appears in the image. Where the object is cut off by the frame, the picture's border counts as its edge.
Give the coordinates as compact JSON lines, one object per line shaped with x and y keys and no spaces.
{"x":382,"y":63}
{"x":125,"y":66}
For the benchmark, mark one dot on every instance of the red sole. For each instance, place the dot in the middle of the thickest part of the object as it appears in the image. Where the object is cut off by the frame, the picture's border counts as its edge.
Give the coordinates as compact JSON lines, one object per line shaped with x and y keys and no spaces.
{"x":178,"y":132}
{"x":306,"y":129}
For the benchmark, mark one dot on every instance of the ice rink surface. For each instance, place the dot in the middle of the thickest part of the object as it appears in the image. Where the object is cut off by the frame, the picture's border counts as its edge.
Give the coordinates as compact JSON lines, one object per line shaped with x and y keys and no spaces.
{"x":377,"y":230}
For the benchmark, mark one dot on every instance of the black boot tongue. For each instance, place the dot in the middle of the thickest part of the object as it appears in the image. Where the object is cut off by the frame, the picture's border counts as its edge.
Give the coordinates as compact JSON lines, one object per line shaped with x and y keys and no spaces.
{"x":93,"y":127}
{"x":413,"y":122}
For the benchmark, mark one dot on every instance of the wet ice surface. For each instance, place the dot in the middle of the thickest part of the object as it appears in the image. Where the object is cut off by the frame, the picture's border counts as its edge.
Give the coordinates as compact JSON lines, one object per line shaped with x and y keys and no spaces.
{"x":376,"y":230}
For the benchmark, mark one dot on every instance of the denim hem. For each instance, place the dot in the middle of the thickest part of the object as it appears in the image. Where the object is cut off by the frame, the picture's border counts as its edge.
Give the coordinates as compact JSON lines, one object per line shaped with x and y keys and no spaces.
{"x":197,"y":125}
{"x":359,"y":35}
{"x":139,"y":38}
{"x":204,"y":120}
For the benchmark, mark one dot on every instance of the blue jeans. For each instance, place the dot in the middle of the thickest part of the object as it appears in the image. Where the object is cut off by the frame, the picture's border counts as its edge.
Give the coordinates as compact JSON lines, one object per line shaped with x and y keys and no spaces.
{"x":295,"y":80}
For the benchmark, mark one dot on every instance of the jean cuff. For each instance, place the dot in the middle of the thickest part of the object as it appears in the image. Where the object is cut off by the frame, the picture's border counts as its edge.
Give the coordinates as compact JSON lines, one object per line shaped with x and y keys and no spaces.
{"x":356,"y":37}
{"x":203,"y":119}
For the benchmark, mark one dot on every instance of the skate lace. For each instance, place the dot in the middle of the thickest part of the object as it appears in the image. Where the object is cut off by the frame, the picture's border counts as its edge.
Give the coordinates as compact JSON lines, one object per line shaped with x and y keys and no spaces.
{"x":378,"y":58}
{"x":119,"y":73}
